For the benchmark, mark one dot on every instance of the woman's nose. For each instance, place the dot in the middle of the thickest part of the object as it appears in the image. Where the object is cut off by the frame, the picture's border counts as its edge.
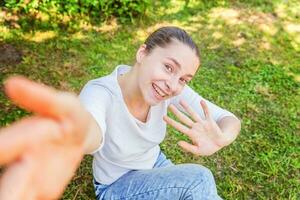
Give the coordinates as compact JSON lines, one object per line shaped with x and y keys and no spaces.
{"x":172,"y":85}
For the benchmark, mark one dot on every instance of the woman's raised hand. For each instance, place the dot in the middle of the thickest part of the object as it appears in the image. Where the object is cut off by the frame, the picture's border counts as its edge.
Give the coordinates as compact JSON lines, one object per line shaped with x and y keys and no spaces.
{"x":41,"y":153}
{"x":205,"y":134}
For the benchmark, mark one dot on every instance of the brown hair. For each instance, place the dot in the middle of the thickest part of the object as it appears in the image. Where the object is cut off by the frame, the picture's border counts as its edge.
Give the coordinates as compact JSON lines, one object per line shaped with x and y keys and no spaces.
{"x":164,"y":35}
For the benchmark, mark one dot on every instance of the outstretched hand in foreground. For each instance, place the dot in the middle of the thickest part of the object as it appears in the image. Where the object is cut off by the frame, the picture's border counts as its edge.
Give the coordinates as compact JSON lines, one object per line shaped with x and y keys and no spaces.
{"x":41,"y":153}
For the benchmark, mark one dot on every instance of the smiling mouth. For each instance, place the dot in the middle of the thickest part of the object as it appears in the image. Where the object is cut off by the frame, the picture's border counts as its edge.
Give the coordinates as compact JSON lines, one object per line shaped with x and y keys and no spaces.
{"x":160,"y":92}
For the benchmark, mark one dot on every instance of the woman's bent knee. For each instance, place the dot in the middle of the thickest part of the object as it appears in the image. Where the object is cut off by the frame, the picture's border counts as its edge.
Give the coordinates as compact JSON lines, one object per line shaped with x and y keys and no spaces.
{"x":198,"y":172}
{"x":203,"y":184}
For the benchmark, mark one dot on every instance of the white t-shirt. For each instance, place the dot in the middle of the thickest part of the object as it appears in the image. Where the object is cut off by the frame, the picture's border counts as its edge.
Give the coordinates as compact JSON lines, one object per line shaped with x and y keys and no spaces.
{"x":127,"y":142}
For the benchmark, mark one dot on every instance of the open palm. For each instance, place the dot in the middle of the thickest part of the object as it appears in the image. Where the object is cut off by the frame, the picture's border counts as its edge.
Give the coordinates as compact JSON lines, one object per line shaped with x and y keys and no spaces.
{"x":42,"y":152}
{"x":205,"y":134}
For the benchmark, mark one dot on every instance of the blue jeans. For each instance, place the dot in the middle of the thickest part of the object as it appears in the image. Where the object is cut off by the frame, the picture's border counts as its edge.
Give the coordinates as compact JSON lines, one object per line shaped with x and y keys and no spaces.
{"x":164,"y":181}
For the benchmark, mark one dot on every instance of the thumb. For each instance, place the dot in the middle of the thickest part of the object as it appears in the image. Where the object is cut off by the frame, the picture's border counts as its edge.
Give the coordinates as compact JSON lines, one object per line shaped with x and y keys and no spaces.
{"x":189,"y":147}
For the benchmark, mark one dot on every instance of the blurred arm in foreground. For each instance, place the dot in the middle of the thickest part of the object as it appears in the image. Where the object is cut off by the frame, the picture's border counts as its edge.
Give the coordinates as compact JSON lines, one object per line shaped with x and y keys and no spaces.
{"x":42,"y":152}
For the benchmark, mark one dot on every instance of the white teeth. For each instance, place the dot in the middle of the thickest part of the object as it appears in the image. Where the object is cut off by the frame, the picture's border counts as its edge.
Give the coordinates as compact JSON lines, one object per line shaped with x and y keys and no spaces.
{"x":161,"y":93}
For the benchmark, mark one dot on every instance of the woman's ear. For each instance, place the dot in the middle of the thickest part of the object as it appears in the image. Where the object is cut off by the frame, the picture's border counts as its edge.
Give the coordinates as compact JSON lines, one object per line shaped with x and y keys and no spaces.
{"x":141,"y":53}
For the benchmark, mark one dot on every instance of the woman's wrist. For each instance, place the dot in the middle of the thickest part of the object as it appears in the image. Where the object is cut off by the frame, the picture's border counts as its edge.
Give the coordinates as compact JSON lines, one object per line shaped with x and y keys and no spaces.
{"x":230,"y":128}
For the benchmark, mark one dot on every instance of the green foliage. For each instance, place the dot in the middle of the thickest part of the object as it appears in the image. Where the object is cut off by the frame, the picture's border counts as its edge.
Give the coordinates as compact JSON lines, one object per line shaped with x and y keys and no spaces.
{"x":104,"y":9}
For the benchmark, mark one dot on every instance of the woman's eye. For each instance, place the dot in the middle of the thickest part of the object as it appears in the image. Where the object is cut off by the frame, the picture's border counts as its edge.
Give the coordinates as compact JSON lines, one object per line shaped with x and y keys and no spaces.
{"x":169,"y":68}
{"x":184,"y":81}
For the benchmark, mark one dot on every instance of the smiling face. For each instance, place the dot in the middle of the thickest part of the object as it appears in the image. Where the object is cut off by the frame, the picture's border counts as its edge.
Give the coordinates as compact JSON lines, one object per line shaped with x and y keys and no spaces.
{"x":164,"y":71}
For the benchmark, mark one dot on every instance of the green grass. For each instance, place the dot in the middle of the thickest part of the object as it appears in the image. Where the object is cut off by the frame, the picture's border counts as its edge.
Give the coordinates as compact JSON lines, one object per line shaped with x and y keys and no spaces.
{"x":250,"y":65}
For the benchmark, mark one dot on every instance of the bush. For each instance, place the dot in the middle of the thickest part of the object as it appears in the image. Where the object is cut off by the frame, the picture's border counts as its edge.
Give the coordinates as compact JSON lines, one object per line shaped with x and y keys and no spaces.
{"x":100,"y":9}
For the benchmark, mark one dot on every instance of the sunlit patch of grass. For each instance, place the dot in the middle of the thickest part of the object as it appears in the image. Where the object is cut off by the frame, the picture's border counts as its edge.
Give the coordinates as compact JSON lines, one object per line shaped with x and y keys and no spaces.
{"x":40,"y":36}
{"x":228,"y":15}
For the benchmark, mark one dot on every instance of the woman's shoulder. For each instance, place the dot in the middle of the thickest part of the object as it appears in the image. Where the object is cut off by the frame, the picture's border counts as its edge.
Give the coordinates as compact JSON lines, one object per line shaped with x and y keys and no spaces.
{"x":106,"y":83}
{"x":100,"y":88}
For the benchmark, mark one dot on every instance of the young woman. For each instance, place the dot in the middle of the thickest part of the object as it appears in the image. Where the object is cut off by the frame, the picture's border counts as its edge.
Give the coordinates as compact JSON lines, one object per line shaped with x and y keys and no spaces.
{"x":120,"y":119}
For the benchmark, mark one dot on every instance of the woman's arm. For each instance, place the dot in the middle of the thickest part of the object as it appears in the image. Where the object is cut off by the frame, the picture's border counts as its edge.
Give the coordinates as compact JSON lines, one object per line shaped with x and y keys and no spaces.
{"x":96,"y":100}
{"x":94,"y":137}
{"x":230,"y":127}
{"x":42,"y":152}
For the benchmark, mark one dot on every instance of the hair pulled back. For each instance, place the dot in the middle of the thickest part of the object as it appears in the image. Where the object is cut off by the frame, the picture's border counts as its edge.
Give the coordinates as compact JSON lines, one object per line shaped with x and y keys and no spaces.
{"x":164,"y":36}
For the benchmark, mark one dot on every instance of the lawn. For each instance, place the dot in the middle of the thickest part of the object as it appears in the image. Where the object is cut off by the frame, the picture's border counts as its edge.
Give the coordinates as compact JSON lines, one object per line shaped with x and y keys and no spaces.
{"x":250,"y":65}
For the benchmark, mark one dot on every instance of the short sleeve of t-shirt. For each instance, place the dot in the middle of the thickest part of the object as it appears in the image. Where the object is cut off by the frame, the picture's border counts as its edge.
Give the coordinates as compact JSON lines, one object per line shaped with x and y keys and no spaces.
{"x":96,"y":100}
{"x":193,"y":99}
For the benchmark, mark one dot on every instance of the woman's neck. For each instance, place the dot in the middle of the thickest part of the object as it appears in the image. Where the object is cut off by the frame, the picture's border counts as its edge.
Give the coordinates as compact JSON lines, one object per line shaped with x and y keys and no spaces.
{"x":131,"y":92}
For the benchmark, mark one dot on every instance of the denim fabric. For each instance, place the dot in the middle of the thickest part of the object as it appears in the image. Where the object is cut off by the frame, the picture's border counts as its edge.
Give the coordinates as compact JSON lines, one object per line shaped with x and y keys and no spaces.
{"x":165,"y":181}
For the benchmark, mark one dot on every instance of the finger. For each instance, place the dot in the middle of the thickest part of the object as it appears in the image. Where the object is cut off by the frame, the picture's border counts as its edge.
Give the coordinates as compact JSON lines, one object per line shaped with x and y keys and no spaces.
{"x":47,"y":101}
{"x":15,"y":139}
{"x":183,"y":129}
{"x":205,"y":109}
{"x":182,"y":117}
{"x":38,"y":98}
{"x":15,"y":184}
{"x":190,"y":111}
{"x":189,"y":147}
